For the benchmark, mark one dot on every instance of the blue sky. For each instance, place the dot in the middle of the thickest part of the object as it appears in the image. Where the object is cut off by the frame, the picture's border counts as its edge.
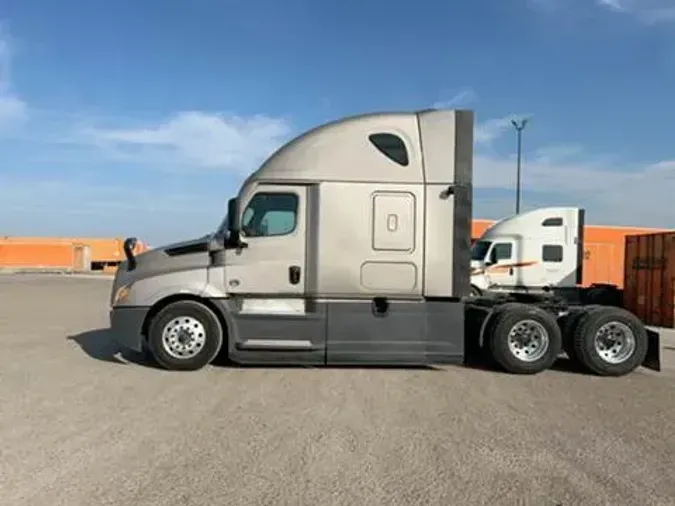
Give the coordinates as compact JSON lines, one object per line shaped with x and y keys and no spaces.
{"x":141,"y":118}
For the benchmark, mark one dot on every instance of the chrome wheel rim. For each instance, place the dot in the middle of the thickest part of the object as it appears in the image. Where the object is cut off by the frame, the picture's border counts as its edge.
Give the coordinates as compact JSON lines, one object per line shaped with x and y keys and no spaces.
{"x":528,"y":340}
{"x":183,"y":337}
{"x":615,"y":342}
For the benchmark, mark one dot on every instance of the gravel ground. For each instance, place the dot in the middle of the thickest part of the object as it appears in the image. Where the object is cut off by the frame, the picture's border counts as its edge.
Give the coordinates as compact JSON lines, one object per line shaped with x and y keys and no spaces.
{"x":82,"y":425}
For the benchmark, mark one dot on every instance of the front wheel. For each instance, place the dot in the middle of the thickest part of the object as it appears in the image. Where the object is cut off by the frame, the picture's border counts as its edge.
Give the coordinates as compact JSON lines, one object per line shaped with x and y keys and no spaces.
{"x":525,"y":339}
{"x":185,"y":335}
{"x":610,"y":341}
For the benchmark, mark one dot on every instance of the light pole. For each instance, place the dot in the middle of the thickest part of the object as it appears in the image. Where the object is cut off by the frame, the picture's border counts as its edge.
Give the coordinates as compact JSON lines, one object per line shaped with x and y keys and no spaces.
{"x":519,"y":126}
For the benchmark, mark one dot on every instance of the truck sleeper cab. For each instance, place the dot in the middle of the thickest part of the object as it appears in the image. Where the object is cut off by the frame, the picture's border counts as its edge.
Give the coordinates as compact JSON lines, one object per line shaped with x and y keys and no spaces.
{"x":349,"y":245}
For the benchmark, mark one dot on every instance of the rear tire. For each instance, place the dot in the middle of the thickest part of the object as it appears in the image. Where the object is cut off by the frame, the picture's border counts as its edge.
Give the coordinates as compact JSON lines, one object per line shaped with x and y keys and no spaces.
{"x":610,"y":341}
{"x":185,"y":336}
{"x":568,"y":325}
{"x":524,"y":339}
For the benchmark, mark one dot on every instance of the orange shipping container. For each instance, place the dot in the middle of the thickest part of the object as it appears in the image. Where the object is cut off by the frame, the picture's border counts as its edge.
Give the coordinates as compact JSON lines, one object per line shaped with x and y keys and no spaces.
{"x":649,"y":278}
{"x":604,"y":252}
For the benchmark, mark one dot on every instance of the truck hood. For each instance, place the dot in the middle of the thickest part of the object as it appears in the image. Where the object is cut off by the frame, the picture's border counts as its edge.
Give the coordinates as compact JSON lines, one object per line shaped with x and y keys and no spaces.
{"x":178,"y":256}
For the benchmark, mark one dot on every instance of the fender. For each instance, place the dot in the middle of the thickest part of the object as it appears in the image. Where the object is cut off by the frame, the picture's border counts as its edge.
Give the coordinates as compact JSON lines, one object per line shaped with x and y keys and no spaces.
{"x":149,"y":291}
{"x":492,"y":313}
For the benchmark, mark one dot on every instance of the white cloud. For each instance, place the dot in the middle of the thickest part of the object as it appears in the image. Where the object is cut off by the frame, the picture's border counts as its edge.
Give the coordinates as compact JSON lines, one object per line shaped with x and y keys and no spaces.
{"x":647,"y":11}
{"x":13,"y":110}
{"x":613,"y":194}
{"x":487,"y":131}
{"x":558,"y":152}
{"x":461,"y":98}
{"x":197,"y":139}
{"x":187,"y":139}
{"x":616,"y":5}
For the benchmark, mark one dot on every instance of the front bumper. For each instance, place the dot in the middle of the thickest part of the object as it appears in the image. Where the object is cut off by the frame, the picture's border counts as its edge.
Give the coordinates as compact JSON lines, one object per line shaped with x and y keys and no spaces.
{"x":126,"y":324}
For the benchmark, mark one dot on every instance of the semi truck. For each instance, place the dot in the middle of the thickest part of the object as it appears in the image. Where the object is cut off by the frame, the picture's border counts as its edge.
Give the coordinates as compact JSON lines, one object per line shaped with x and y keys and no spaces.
{"x":351,"y":245}
{"x":539,"y":251}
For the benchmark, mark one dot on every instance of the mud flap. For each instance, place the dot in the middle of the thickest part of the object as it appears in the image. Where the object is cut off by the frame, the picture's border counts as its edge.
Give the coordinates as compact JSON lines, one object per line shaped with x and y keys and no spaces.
{"x":653,"y":358}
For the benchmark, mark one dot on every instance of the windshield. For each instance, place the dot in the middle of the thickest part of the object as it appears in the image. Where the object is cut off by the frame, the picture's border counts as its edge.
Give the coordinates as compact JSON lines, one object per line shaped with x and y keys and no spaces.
{"x":479,"y":250}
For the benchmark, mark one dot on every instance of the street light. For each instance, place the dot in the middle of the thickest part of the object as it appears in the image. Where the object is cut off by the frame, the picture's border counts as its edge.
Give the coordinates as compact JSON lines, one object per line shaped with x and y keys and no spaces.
{"x":519,"y":126}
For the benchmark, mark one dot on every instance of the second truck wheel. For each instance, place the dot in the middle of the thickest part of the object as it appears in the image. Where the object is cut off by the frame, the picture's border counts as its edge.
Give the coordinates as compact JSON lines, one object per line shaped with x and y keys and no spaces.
{"x":610,"y":341}
{"x":524,"y":339}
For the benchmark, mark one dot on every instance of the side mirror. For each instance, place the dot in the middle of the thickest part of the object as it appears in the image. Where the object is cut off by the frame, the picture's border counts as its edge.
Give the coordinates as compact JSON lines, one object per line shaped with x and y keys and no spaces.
{"x":233,"y":216}
{"x":233,"y":225}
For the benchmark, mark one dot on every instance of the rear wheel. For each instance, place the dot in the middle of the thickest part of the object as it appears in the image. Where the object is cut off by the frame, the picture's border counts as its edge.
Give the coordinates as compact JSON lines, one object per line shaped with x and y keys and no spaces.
{"x":568,"y":325}
{"x":524,"y":339}
{"x":185,"y":335}
{"x":610,"y":341}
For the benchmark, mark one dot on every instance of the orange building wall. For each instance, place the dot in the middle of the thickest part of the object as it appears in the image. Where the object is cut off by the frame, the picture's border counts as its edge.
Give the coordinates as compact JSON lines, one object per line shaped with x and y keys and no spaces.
{"x":604,"y":250}
{"x":55,"y":255}
{"x":103,"y":249}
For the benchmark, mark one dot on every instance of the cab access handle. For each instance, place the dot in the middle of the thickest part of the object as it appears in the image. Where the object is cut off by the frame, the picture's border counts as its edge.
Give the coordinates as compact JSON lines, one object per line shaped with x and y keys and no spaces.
{"x":294,"y":274}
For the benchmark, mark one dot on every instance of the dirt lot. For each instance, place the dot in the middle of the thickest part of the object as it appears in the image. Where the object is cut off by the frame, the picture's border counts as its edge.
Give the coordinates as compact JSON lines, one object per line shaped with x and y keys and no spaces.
{"x":81,"y":425}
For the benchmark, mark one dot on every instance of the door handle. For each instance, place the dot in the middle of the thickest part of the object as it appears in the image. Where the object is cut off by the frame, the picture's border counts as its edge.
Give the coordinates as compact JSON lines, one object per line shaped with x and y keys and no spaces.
{"x":510,"y":271}
{"x":294,"y":274}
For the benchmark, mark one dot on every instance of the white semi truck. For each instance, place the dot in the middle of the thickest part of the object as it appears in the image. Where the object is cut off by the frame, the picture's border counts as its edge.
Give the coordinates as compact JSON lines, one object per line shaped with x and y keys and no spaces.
{"x":539,"y":251}
{"x":351,"y":245}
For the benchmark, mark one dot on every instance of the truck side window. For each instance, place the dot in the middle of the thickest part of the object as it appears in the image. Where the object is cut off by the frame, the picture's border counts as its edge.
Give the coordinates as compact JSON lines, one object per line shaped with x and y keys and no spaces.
{"x":270,"y":214}
{"x":552,"y":222}
{"x":392,"y":146}
{"x":501,"y":251}
{"x":552,"y":253}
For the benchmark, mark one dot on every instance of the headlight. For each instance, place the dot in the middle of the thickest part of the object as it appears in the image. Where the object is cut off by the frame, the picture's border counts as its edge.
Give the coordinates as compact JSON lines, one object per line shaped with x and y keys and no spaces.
{"x":122,"y":295}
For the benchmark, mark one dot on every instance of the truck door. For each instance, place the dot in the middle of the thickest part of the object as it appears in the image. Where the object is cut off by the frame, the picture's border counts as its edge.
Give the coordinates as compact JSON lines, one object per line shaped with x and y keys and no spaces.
{"x":266,"y":280}
{"x":501,"y":264}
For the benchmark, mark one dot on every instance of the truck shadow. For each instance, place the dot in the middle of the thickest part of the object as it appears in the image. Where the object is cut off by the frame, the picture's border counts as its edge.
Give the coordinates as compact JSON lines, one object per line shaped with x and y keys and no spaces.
{"x":97,"y":344}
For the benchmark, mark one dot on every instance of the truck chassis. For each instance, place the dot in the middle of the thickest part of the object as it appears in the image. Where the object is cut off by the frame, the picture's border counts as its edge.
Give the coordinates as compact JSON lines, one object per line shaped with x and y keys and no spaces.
{"x":526,"y":333}
{"x":517,"y":333}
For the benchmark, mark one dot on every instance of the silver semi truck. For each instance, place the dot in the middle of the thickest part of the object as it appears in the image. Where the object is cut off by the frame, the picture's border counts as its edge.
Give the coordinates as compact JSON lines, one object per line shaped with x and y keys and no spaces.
{"x":351,"y":245}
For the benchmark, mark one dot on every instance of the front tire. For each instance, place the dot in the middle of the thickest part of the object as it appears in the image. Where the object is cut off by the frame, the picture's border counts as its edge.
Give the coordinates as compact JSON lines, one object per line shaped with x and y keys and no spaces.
{"x":185,"y":336}
{"x":610,"y":341}
{"x":524,"y":339}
